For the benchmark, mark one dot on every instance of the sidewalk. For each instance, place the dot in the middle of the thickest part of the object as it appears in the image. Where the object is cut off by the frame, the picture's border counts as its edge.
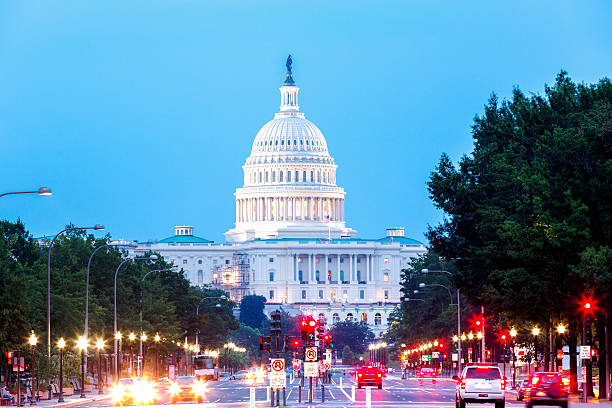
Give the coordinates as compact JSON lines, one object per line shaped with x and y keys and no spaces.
{"x":574,"y":401}
{"x":70,"y":401}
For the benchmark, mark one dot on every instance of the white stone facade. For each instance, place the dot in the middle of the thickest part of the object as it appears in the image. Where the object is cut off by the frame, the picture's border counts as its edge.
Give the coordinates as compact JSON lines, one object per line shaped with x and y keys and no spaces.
{"x":291,"y":230}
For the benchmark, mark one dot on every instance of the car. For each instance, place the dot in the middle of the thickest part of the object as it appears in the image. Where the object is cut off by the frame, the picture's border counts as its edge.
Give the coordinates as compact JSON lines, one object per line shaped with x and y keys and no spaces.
{"x":482,"y":383}
{"x":369,"y":375}
{"x":240,"y":375}
{"x":547,"y":388}
{"x":521,"y":388}
{"x":187,"y":388}
{"x":427,"y":372}
{"x":133,"y":391}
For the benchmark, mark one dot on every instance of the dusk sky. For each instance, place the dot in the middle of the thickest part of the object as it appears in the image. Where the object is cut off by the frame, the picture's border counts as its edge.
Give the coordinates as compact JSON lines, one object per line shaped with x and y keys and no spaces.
{"x":140,"y":114}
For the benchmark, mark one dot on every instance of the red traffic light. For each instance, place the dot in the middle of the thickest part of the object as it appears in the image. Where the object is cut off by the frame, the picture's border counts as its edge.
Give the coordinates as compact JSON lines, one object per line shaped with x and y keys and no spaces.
{"x":312,"y":323}
{"x":593,"y":352}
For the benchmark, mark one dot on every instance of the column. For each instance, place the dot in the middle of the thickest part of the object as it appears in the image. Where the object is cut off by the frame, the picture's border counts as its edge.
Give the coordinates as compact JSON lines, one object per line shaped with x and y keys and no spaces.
{"x":259,"y":209}
{"x":342,"y":210}
{"x":326,"y":266}
{"x":367,"y":277}
{"x":338,"y":269}
{"x":351,"y":258}
{"x":294,"y":262}
{"x":286,"y":217}
{"x":302,"y":209}
{"x":293,"y":207}
{"x":310,"y":269}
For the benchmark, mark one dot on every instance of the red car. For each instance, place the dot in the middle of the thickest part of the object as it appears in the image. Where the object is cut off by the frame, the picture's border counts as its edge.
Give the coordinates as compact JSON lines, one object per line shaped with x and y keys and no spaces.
{"x":369,"y":375}
{"x":547,"y":389}
{"x":426,"y":372}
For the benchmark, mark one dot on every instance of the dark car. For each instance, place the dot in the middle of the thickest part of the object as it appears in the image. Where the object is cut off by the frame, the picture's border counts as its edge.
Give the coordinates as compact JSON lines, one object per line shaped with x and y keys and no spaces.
{"x":187,"y":388}
{"x":521,"y":388}
{"x":369,"y":375}
{"x":547,"y":389}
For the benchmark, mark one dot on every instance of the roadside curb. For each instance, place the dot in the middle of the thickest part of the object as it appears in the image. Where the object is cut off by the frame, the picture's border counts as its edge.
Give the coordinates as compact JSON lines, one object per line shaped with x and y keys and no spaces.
{"x":78,"y":401}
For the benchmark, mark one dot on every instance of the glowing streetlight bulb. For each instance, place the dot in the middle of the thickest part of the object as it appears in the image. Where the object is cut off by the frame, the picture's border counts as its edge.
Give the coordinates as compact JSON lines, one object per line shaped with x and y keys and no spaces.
{"x":33,"y":339}
{"x":479,"y":335}
{"x":132,"y":336}
{"x":82,"y":343}
{"x":100,"y":344}
{"x":455,"y":338}
{"x":535,"y":331}
{"x":157,"y":338}
{"x":471,"y":336}
{"x":560,"y":328}
{"x":61,"y":343}
{"x":144,"y":337}
{"x":513,"y":332}
{"x":118,"y":335}
{"x":463,"y":336}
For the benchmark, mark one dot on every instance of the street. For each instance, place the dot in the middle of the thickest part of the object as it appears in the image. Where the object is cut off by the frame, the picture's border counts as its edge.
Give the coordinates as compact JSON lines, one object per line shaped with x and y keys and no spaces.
{"x":395,"y":393}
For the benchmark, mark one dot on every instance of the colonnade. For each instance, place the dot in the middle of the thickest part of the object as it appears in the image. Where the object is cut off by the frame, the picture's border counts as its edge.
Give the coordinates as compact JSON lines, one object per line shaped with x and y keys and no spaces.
{"x":289,"y":209}
{"x":307,"y":263}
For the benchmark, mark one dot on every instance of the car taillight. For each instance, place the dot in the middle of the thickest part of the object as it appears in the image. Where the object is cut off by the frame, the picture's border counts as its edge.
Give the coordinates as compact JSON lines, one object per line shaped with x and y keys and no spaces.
{"x":379,"y":375}
{"x":535,"y":380}
{"x":503,"y":384}
{"x":462,"y":383}
{"x":360,"y":375}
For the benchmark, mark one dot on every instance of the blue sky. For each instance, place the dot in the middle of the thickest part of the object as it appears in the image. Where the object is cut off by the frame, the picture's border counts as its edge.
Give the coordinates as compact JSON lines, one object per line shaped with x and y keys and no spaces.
{"x":140,"y":114}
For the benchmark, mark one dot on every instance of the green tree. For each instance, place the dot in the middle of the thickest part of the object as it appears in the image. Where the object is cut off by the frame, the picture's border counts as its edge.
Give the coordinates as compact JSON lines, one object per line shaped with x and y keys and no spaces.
{"x":348,"y":357}
{"x":251,"y":311}
{"x":353,"y":334}
{"x":524,"y":207}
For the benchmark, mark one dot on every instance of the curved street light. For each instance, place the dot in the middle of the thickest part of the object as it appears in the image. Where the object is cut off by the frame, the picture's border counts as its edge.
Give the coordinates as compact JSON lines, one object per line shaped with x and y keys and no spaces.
{"x":43,"y":191}
{"x":96,"y":227}
{"x":147,"y":258}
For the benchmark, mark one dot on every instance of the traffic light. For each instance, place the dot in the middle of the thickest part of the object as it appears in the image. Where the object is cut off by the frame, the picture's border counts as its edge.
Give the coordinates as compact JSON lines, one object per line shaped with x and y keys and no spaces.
{"x":265,"y":343}
{"x":9,"y":357}
{"x":308,"y":329}
{"x":275,"y":324}
{"x":320,"y":328}
{"x":327,"y":341}
{"x":290,"y":343}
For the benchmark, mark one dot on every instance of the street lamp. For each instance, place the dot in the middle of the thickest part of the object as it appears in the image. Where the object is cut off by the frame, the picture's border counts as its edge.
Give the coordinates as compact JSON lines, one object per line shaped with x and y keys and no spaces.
{"x":157,"y":339}
{"x":131,"y":337}
{"x":458,"y":316}
{"x":147,"y":258}
{"x":141,"y":287}
{"x":536,"y":332}
{"x":143,"y":340}
{"x":513,"y":334}
{"x":96,"y":227}
{"x":100,"y":347}
{"x":43,"y":191}
{"x":82,"y":346}
{"x":61,"y":343}
{"x":33,"y":340}
{"x":117,"y":339}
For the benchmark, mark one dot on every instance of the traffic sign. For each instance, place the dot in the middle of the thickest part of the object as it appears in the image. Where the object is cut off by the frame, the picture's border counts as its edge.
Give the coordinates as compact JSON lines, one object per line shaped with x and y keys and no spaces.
{"x":277,"y":364}
{"x":585,"y":352}
{"x":311,"y":354}
{"x":311,"y":369}
{"x":559,"y":354}
{"x":583,"y":374}
{"x":455,"y":356}
{"x":297,"y":364}
{"x":435,"y":354}
{"x":325,"y":365}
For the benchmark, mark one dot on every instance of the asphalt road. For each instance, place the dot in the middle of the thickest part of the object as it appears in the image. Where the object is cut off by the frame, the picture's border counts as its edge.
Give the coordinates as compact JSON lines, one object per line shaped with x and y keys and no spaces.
{"x":395,"y":393}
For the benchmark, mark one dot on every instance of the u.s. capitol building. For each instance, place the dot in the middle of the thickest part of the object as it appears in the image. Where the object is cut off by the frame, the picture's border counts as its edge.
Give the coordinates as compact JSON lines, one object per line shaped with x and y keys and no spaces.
{"x":290,"y":242}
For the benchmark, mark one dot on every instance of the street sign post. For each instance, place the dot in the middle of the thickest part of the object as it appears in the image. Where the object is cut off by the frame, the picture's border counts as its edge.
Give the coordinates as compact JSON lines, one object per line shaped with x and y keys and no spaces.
{"x":585,"y":352}
{"x":278,"y":378}
{"x":311,"y":369}
{"x":310,"y":354}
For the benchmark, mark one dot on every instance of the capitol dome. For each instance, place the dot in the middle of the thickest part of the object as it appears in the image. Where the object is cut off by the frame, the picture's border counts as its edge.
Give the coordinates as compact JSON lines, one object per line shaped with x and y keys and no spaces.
{"x":290,"y":186}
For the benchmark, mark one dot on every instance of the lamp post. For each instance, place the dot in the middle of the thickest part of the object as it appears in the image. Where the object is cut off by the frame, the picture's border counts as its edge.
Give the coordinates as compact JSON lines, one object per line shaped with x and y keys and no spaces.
{"x":33,"y":340}
{"x":513,"y":337}
{"x":535,"y":332}
{"x":458,"y":316}
{"x":117,"y":339}
{"x":131,"y":337}
{"x":43,"y":191}
{"x":147,"y":258}
{"x":156,"y":338}
{"x":96,"y":227}
{"x":100,"y":347}
{"x":560,"y":331}
{"x":479,"y":336}
{"x":82,"y":346}
{"x":61,"y":343}
{"x":141,"y":287}
{"x":141,"y":357}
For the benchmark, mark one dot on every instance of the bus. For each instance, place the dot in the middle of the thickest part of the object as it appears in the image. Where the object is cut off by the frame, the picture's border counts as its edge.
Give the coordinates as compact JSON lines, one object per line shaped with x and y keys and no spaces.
{"x":206,"y":366}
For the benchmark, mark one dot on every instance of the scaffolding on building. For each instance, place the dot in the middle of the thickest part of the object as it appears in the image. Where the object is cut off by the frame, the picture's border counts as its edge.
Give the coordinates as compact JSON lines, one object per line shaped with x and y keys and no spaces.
{"x":233,"y":279}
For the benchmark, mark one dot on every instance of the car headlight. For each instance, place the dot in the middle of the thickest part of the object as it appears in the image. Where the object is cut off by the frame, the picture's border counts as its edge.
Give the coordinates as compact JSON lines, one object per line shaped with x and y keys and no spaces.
{"x":198,"y":388}
{"x":143,"y":392}
{"x":117,"y":393}
{"x":174,"y":388}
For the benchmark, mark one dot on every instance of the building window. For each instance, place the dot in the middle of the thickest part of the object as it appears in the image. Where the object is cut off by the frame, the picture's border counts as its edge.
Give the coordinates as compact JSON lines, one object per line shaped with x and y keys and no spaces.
{"x":300,"y":276}
{"x":341,"y":260}
{"x":227,"y":261}
{"x":299,"y":260}
{"x":280,"y":176}
{"x":320,"y":294}
{"x":271,"y":276}
{"x":322,"y":316}
{"x":342,"y":276}
{"x":335,"y":318}
{"x":274,"y":177}
{"x":200,"y":276}
{"x":386,"y":260}
{"x":271,"y":259}
{"x":358,"y":276}
{"x":304,"y":176}
{"x":364,"y":318}
{"x":303,"y":294}
{"x":377,"y":319}
{"x":312,"y":176}
{"x":199,"y":262}
{"x":271,"y":294}
{"x":386,"y":277}
{"x":329,"y":260}
{"x":266,"y":176}
{"x":297,"y":176}
{"x":362,"y":294}
{"x":386,"y":294}
{"x":317,"y":260}
{"x":289,"y":177}
{"x":349,"y":317}
{"x":214,"y":261}
{"x":358,"y":260}
{"x":333,"y":296}
{"x":329,"y":276}
{"x":317,"y":276}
